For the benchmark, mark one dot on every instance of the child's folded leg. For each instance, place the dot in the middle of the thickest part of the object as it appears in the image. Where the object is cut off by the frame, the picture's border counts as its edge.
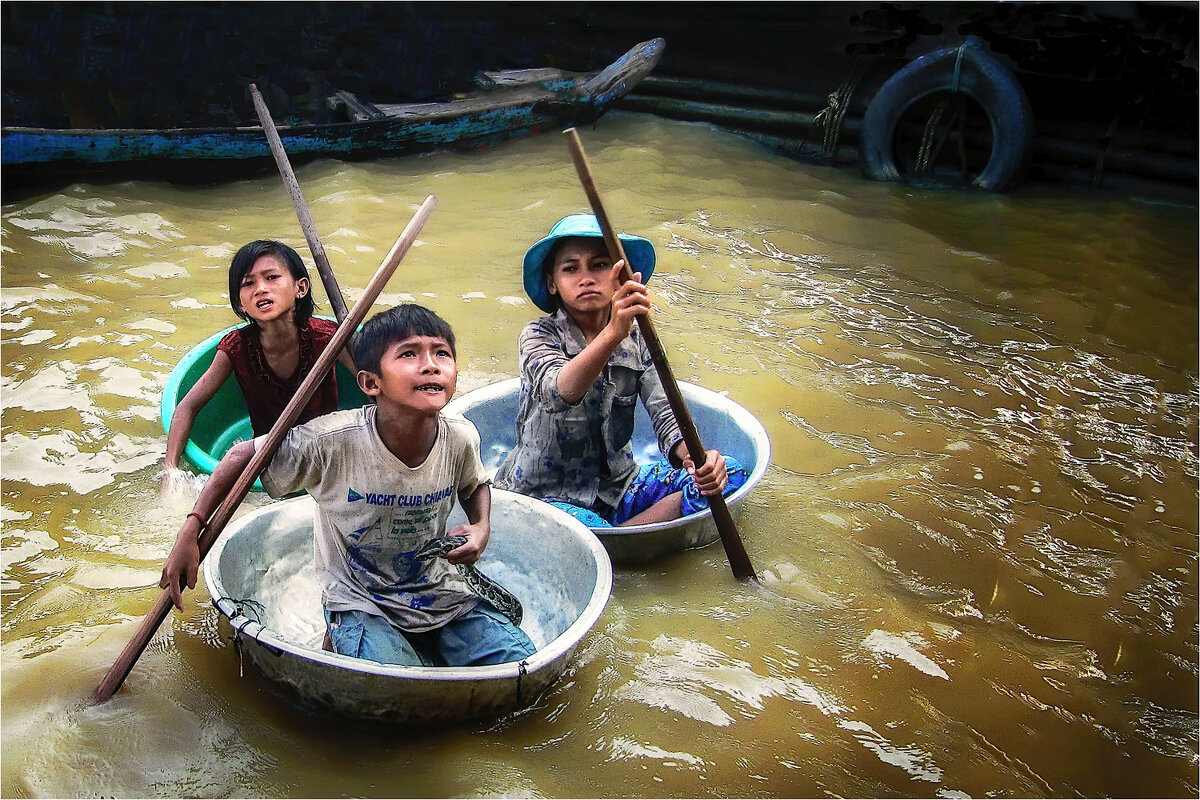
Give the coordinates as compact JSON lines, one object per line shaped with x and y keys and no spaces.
{"x":362,"y":635}
{"x":584,"y":515}
{"x":483,"y":636}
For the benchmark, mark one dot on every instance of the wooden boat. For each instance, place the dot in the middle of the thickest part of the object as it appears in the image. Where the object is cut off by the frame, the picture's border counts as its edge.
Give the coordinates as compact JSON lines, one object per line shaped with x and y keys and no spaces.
{"x":722,"y":423}
{"x":519,"y":102}
{"x":224,"y":420}
{"x":260,"y":576}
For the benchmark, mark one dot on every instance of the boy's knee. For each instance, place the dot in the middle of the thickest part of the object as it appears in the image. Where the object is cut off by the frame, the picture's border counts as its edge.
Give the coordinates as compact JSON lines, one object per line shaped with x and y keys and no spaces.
{"x":584,"y":515}
{"x":736,"y":474}
{"x":732,"y":465}
{"x":485,"y":636}
{"x":361,"y":635}
{"x":347,"y":631}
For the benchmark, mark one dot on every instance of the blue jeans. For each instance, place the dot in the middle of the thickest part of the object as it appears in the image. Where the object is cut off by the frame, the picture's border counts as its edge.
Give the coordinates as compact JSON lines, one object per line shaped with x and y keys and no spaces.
{"x":654,"y":482}
{"x":481,"y":636}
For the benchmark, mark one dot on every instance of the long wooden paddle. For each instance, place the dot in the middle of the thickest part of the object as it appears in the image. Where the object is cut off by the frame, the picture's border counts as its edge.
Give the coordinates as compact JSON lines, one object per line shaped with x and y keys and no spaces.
{"x":739,"y":562}
{"x":216,"y":523}
{"x":306,"y":222}
{"x":324,"y":268}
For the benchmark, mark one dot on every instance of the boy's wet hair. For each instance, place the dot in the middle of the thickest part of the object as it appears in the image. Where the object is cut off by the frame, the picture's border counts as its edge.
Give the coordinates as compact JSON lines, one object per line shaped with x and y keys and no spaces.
{"x":243,"y":262}
{"x":395,"y":325}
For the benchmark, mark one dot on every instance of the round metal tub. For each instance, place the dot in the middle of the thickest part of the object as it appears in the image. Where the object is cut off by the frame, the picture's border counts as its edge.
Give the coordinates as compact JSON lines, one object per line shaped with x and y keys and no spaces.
{"x":722,"y":423}
{"x":260,"y":575}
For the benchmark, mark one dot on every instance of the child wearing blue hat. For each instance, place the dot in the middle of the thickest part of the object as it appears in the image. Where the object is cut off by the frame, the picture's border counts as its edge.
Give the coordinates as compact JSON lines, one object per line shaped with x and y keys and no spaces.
{"x":583,"y":368}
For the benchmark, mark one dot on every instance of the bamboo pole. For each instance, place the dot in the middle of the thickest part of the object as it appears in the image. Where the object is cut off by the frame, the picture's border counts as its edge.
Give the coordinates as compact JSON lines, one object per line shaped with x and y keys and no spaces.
{"x":306,"y":222}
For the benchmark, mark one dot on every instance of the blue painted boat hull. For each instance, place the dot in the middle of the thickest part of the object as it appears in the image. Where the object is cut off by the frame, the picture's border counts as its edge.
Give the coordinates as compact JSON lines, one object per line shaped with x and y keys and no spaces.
{"x":465,"y":123}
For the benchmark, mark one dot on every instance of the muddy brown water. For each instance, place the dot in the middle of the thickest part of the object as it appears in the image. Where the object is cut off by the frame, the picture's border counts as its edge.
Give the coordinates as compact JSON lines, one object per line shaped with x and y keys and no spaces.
{"x":977,"y":537}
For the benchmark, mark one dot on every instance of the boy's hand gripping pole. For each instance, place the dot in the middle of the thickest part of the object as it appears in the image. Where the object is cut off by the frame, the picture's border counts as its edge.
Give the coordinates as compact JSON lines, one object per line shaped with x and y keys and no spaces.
{"x":306,"y":222}
{"x":216,"y":524}
{"x":739,"y":562}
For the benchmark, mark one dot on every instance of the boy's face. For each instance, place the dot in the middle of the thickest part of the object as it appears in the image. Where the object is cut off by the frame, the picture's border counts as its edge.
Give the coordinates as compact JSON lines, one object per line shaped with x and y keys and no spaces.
{"x":417,"y":373}
{"x":582,"y":274}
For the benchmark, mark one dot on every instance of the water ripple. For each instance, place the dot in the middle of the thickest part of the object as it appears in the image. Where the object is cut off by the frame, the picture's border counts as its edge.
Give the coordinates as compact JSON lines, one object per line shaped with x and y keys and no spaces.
{"x":688,"y":677}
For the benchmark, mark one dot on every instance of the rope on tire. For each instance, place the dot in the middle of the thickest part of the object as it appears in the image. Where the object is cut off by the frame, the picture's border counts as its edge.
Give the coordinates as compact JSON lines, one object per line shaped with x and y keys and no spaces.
{"x":949,"y":71}
{"x":830,"y":118}
{"x":925,"y":155}
{"x":928,"y":153}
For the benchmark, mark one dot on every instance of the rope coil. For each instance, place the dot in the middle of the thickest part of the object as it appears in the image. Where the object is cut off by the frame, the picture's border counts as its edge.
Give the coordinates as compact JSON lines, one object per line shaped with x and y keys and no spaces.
{"x":521,"y":673}
{"x":240,"y":608}
{"x":830,"y":118}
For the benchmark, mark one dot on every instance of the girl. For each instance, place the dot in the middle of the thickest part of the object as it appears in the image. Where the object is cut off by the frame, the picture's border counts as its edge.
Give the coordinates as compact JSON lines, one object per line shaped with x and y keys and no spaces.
{"x":583,"y":368}
{"x":268,"y":286}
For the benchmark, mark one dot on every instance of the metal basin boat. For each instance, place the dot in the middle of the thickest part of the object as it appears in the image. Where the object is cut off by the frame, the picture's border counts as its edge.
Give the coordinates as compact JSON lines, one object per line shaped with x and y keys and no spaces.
{"x":722,"y":423}
{"x":260,"y":576}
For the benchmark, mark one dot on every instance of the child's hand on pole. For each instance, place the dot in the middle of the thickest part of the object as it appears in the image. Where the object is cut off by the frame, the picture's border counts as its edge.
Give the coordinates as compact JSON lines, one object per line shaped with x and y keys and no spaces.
{"x":712,"y":476}
{"x":630,"y":300}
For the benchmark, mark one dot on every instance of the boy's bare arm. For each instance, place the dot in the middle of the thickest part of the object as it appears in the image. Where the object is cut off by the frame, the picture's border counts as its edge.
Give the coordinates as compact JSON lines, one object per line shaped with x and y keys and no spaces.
{"x":183,"y":564}
{"x":478,"y":529}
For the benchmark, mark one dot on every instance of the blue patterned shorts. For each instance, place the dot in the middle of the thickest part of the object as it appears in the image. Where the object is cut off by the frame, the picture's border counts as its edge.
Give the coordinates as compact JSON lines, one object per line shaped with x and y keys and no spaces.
{"x":654,"y":482}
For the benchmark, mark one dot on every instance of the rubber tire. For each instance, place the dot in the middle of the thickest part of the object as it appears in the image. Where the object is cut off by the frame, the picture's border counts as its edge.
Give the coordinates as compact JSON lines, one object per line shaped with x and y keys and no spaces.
{"x":983,"y":78}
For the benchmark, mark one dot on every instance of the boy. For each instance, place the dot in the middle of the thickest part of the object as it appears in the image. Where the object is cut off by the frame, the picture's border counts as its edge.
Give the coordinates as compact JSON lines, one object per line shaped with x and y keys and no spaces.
{"x":384,"y":477}
{"x":583,"y":367}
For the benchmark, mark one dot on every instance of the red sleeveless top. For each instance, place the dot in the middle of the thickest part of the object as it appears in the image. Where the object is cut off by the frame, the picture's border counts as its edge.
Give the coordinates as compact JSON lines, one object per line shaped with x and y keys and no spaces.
{"x":267,"y":394}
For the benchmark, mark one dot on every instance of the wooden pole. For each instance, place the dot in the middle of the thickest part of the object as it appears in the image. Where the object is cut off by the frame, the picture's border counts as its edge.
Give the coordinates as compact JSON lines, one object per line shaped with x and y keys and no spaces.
{"x":216,"y":523}
{"x":739,"y":562}
{"x":306,"y":222}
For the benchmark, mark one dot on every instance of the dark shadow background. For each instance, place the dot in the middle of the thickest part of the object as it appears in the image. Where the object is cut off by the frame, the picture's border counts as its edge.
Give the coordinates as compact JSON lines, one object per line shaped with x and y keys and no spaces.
{"x":73,"y":64}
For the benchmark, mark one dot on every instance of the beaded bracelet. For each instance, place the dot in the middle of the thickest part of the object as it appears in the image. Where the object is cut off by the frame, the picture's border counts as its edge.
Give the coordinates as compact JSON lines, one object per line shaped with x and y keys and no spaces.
{"x":203,"y":522}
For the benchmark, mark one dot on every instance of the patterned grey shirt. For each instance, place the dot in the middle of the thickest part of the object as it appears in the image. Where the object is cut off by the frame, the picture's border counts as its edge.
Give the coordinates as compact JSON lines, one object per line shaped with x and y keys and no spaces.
{"x":581,"y":454}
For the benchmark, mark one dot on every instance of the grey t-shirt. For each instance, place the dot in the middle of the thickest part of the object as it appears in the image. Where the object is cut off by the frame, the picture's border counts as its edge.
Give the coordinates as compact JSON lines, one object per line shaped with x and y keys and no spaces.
{"x":375,"y":512}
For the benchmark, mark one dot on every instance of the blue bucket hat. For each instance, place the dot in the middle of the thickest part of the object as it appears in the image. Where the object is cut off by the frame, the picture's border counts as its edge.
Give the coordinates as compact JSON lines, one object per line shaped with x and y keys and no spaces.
{"x":639,"y":251}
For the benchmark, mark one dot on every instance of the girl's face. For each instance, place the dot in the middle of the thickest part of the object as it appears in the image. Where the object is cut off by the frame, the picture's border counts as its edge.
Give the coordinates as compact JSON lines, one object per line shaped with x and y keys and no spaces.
{"x":581,"y":274}
{"x":268,"y":291}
